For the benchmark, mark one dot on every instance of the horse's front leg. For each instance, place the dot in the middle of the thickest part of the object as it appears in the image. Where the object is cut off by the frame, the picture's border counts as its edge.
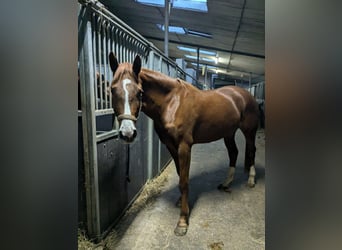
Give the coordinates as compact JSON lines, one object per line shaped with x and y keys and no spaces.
{"x":184,"y":155}
{"x":174,"y":153}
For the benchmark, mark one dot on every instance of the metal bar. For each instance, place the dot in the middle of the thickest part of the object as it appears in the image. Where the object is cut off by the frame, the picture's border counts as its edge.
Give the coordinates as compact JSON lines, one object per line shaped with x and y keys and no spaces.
{"x":127,"y":50}
{"x":93,"y":22}
{"x":99,"y":95}
{"x":150,"y":128}
{"x":116,"y":42}
{"x":123,"y":47}
{"x":104,"y":64}
{"x":197,"y":74}
{"x":104,"y":112}
{"x":160,"y":66}
{"x":159,"y":155}
{"x":166,"y":28}
{"x":110,"y":48}
{"x":89,"y":130}
{"x":250,"y":81}
{"x":107,"y":135}
{"x":120,"y":47}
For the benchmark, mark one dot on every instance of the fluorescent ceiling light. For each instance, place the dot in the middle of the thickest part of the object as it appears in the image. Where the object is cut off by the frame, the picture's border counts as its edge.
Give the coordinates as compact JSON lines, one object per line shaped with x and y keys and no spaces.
{"x":199,"y":33}
{"x":194,"y":5}
{"x":195,"y":64}
{"x":201,"y":58}
{"x":173,"y":29}
{"x":193,"y":50}
{"x":187,"y":49}
{"x":201,"y":65}
{"x":191,"y":57}
{"x":207,"y":52}
{"x":207,"y":59}
{"x":159,"y":3}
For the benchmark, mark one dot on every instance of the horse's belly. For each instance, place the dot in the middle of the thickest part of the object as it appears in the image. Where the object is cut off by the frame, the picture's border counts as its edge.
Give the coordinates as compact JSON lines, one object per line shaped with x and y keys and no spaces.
{"x":211,"y":132}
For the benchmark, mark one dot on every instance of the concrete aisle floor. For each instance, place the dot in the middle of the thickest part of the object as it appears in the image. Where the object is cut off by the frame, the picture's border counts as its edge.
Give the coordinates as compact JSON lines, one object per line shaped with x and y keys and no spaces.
{"x":218,"y":220}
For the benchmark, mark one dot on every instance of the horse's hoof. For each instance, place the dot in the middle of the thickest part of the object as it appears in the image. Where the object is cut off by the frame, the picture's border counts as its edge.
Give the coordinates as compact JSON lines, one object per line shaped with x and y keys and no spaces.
{"x":251,"y":185}
{"x":181,"y":231}
{"x":224,"y":188}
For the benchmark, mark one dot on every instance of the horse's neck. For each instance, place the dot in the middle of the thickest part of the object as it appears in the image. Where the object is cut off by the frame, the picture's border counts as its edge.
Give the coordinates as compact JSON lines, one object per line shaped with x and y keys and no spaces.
{"x":156,"y":87}
{"x":156,"y":81}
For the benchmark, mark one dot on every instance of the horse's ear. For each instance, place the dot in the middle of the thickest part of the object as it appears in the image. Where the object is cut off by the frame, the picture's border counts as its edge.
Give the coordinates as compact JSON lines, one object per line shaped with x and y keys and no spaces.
{"x":137,"y":65}
{"x":113,"y":62}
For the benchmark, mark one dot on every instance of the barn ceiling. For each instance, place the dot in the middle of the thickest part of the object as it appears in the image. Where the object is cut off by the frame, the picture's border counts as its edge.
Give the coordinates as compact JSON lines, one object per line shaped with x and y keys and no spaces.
{"x":236,"y":29}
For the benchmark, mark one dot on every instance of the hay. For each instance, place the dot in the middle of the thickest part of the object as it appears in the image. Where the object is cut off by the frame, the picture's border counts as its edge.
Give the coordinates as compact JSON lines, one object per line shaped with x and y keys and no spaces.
{"x":83,"y":242}
{"x":216,"y":246}
{"x":149,"y":193}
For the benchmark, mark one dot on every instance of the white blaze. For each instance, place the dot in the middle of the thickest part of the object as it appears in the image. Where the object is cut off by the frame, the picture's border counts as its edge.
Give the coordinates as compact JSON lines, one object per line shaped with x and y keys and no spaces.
{"x":127,"y":110}
{"x":127,"y":126}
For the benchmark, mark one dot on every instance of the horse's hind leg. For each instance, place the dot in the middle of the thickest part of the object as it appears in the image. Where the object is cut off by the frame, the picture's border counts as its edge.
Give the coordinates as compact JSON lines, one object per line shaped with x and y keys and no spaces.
{"x":250,"y":155}
{"x":233,"y":153}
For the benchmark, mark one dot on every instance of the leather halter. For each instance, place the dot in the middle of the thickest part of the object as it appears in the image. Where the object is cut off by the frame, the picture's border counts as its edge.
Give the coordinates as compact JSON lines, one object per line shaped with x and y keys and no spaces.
{"x":131,"y":117}
{"x":127,"y":117}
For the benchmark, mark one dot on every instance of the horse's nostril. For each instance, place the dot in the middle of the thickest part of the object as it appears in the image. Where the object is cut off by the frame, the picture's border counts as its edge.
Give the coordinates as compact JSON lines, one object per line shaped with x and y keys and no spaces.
{"x":129,"y":137}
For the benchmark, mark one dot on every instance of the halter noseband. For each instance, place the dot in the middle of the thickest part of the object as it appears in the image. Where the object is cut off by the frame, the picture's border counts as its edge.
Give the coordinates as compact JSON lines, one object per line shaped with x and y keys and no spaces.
{"x":131,"y":117}
{"x":127,"y":117}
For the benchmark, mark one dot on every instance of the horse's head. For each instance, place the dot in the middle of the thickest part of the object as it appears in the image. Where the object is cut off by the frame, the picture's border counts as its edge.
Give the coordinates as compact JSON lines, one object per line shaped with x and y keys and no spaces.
{"x":126,"y":92}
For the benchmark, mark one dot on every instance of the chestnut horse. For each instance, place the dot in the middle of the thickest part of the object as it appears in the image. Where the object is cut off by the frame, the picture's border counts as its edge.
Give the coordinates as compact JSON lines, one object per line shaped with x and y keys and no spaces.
{"x":184,"y":115}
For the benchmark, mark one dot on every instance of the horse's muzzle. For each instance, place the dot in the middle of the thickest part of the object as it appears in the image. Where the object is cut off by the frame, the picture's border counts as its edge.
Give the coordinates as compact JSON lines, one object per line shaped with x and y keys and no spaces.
{"x":127,"y":131}
{"x":128,"y":137}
